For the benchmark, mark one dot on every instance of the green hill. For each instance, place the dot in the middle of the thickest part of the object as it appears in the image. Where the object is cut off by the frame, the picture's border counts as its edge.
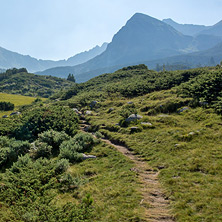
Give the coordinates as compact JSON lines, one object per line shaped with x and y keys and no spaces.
{"x":155,"y":145}
{"x":18,"y":81}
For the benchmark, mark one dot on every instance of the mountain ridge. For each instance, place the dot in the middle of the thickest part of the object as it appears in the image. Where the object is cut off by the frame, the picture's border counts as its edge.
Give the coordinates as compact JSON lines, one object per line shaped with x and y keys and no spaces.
{"x":10,"y":59}
{"x":155,"y":40}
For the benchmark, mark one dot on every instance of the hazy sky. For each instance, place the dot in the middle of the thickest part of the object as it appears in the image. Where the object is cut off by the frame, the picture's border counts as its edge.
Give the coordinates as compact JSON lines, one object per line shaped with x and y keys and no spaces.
{"x":58,"y":29}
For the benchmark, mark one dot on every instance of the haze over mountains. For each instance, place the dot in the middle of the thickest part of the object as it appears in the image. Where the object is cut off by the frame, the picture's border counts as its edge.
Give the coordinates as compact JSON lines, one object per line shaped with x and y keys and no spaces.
{"x":142,"y":40}
{"x":9,"y":59}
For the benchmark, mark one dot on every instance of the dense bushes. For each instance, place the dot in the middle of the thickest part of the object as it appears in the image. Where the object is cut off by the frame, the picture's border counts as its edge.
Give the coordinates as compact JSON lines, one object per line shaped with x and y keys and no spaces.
{"x":38,"y":120}
{"x":10,"y":150}
{"x":130,"y":81}
{"x":29,"y":188}
{"x":205,"y":88}
{"x":6,"y":106}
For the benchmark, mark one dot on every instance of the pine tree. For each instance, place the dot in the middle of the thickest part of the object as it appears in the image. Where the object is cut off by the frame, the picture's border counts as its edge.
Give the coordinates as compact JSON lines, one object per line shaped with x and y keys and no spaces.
{"x":71,"y":78}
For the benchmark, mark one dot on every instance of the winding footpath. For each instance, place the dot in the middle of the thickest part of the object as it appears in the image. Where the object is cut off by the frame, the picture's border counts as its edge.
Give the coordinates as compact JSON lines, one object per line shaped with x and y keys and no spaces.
{"x":155,"y":204}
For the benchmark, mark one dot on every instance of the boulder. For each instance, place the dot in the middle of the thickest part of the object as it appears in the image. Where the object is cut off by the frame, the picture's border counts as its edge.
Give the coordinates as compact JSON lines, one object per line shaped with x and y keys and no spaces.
{"x":183,"y":109}
{"x":88,"y":112}
{"x":146,"y":124}
{"x":93,"y":103}
{"x":88,"y":156}
{"x":130,"y":102}
{"x":5,"y":116}
{"x":133,"y":117}
{"x":110,"y":110}
{"x":134,"y":129}
{"x":15,"y":113}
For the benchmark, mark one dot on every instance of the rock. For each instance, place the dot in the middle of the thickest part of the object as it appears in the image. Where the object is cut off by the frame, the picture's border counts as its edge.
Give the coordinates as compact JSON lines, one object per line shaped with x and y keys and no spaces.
{"x":110,"y":110}
{"x":134,"y":129}
{"x":130,"y":102}
{"x":146,"y":124}
{"x":88,"y":112}
{"x":191,"y":133}
{"x":76,"y":111}
{"x":5,"y":116}
{"x":88,"y":156}
{"x":15,"y":113}
{"x":163,"y":115}
{"x":117,"y":124}
{"x":133,"y":117}
{"x":183,"y":109}
{"x":93,"y":103}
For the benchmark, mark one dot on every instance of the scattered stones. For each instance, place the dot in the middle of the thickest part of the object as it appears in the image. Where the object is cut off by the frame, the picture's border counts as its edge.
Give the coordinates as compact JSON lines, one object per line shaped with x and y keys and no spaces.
{"x":76,"y":111}
{"x":15,"y":113}
{"x":146,"y":124}
{"x":134,"y":129}
{"x":110,"y":110}
{"x":93,"y":103}
{"x":130,"y":102}
{"x":163,"y":115}
{"x":88,"y":156}
{"x":88,"y":112}
{"x":133,"y":117}
{"x":183,"y":109}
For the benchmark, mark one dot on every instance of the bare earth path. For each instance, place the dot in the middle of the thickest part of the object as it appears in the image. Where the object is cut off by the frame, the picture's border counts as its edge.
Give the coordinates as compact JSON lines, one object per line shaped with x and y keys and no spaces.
{"x":154,"y":203}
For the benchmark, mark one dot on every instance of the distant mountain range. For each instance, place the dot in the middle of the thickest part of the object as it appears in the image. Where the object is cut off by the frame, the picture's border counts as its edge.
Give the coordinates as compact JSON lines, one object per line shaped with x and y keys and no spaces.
{"x":142,"y":40}
{"x":146,"y":40}
{"x":9,"y":59}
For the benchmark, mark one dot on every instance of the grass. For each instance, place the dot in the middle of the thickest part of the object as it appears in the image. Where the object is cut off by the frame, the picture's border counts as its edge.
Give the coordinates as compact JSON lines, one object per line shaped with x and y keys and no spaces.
{"x":185,"y":146}
{"x":17,"y":100}
{"x":111,"y":183}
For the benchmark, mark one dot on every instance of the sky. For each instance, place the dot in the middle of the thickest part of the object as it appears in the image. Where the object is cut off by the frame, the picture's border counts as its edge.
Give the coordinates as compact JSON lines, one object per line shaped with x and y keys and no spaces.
{"x":58,"y":29}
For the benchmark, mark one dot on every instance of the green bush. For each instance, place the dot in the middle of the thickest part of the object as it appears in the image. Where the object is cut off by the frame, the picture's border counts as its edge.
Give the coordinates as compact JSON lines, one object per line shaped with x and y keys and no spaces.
{"x":39,"y":120}
{"x":85,"y":140}
{"x":29,"y":189}
{"x":53,"y":139}
{"x":70,"y":154}
{"x":6,"y":106}
{"x":41,"y":149}
{"x":61,"y":166}
{"x":11,"y":149}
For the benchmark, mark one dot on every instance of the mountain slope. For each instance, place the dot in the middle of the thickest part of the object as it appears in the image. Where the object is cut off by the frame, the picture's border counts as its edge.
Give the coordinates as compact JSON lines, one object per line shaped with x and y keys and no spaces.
{"x":9,"y":59}
{"x":142,"y":38}
{"x":215,"y":30}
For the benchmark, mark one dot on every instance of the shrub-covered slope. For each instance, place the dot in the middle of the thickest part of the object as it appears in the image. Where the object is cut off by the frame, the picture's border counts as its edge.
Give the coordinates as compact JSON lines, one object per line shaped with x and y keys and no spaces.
{"x":18,"y":81}
{"x":178,"y":131}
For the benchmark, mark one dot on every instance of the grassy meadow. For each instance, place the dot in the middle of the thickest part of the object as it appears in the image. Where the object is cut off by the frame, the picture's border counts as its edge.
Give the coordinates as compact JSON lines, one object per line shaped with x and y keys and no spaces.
{"x":17,"y":100}
{"x":186,"y":148}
